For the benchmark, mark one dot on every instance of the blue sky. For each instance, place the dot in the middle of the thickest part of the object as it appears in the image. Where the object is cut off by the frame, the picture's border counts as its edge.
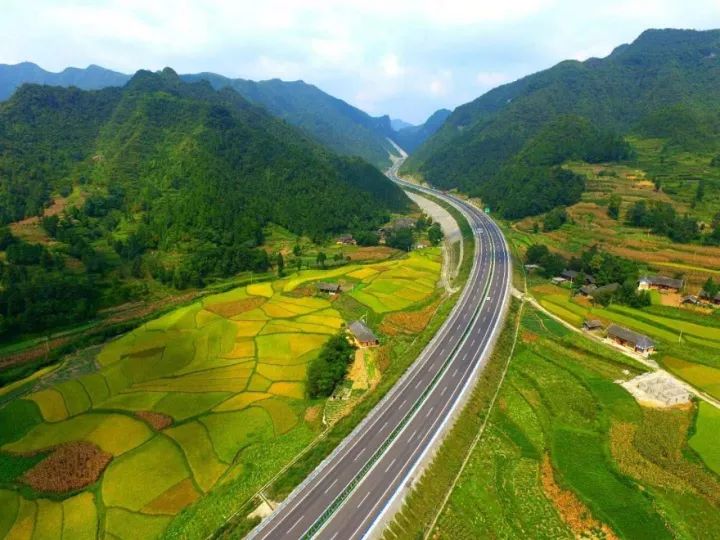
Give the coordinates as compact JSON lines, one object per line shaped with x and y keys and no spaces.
{"x":403,"y":58}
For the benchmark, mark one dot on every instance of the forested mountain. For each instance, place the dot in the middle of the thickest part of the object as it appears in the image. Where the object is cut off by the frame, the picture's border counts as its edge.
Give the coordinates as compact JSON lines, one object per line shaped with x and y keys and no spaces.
{"x":90,"y":78}
{"x":170,"y":179}
{"x":331,"y":121}
{"x":666,"y":83}
{"x":411,"y":137}
{"x":343,"y":128}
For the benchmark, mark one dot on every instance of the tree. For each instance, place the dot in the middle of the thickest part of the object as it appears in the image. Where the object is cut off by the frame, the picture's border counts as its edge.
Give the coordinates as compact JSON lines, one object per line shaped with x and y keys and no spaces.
{"x":401,"y":239}
{"x":711,"y":288}
{"x":367,"y":238}
{"x":614,"y":207}
{"x":320,"y":259}
{"x":555,"y":219}
{"x":297,"y":250}
{"x":536,"y":253}
{"x":435,"y":234}
{"x":280,"y":263}
{"x":700,"y":190}
{"x":328,"y":369}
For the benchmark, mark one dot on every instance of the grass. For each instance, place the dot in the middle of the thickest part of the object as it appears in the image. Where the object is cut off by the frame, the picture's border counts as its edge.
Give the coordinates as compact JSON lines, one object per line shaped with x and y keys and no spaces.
{"x":705,"y":439}
{"x":550,"y":464}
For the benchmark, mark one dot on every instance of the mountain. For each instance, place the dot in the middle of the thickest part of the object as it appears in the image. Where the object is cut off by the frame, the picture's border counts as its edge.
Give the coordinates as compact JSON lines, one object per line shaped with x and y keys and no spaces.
{"x":398,"y":124}
{"x":161,"y":178}
{"x":659,"y":85}
{"x":411,"y":137}
{"x":331,"y":121}
{"x":345,"y":129}
{"x":91,"y":78}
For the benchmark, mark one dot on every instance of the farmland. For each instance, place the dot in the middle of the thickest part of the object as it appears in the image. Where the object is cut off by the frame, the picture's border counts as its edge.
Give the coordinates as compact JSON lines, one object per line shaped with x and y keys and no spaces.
{"x":567,"y":452}
{"x":192,"y":412}
{"x":688,"y":343}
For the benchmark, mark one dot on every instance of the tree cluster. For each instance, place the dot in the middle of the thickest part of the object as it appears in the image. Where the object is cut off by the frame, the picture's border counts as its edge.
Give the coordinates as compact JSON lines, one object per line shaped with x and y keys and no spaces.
{"x":329,"y":368}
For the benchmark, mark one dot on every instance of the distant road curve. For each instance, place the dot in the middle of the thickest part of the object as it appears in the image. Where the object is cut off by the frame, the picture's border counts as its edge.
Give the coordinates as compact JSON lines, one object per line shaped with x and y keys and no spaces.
{"x":352,"y":492}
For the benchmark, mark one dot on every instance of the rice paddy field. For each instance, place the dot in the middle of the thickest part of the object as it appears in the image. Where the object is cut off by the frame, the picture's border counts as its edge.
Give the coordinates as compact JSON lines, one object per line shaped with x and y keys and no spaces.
{"x":568,"y":453}
{"x":194,"y":410}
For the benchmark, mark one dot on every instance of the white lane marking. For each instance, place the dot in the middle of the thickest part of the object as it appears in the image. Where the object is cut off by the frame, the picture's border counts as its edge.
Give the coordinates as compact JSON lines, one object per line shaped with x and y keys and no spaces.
{"x":363,"y":499}
{"x":430,"y":411}
{"x":296,"y":523}
{"x":455,"y":373}
{"x":331,"y":485}
{"x":334,"y":536}
{"x":443,"y":391}
{"x":391,"y":464}
{"x":359,"y":454}
{"x":383,"y":426}
{"x":412,"y":435}
{"x":404,"y":401}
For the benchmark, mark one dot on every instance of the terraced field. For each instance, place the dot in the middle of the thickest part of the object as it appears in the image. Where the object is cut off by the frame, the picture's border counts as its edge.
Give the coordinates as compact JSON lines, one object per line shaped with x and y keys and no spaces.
{"x":208,"y":396}
{"x":688,"y":343}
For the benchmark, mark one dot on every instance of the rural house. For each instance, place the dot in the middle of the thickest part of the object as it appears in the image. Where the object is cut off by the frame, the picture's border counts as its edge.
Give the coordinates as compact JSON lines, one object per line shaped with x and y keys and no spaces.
{"x":329,"y":288}
{"x":690,"y":299}
{"x":592,"y":324}
{"x":661,"y":283}
{"x":572,"y":275}
{"x":362,"y":335}
{"x":587,"y":290}
{"x":632,"y":340}
{"x":346,"y":240}
{"x":714,"y":299}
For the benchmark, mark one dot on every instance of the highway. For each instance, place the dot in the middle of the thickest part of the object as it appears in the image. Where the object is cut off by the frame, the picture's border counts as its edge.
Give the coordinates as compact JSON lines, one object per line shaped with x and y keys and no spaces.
{"x":352,"y":491}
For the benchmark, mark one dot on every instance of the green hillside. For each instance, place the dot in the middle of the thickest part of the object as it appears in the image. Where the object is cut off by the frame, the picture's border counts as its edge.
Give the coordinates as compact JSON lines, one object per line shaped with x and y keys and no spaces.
{"x":331,"y":121}
{"x":658,"y":86}
{"x":411,"y":137}
{"x":161,"y":179}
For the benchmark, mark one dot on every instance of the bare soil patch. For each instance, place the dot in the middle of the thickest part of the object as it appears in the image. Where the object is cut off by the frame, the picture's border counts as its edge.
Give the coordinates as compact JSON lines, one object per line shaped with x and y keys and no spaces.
{"x":157,"y":421}
{"x":69,"y":467}
{"x":571,"y":509}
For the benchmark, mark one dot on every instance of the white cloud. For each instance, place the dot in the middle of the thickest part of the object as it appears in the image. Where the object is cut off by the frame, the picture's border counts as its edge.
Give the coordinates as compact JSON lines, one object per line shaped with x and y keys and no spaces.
{"x":406,"y":58}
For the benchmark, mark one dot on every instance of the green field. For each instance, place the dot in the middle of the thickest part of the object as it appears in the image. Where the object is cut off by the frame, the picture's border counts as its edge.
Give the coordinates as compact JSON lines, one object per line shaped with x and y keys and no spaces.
{"x":688,"y":343}
{"x":568,"y":453}
{"x":228,"y":373}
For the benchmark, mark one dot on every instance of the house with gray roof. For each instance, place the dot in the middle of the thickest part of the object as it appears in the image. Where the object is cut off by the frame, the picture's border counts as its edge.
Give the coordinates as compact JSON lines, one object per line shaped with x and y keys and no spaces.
{"x":662,"y":283}
{"x":632,"y":340}
{"x":362,"y":335}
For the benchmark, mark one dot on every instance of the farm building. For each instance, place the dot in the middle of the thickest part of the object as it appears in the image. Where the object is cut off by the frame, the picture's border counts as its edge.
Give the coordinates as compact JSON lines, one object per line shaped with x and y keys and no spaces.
{"x":690,"y":299}
{"x":558,"y":280}
{"x":572,"y":275}
{"x":346,"y":240}
{"x":592,"y":324}
{"x":714,"y":299}
{"x":329,"y":288}
{"x":661,"y":283}
{"x":632,"y":340}
{"x":362,"y":335}
{"x":587,"y":290}
{"x":532,"y":267}
{"x":659,"y":388}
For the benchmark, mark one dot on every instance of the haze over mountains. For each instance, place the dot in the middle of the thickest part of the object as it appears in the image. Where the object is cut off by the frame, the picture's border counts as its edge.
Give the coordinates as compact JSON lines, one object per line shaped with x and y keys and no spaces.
{"x":506,"y":145}
{"x":330,"y":121}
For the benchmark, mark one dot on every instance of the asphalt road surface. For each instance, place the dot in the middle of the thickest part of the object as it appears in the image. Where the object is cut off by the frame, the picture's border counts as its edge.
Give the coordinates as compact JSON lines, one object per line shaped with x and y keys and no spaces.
{"x":348,"y":495}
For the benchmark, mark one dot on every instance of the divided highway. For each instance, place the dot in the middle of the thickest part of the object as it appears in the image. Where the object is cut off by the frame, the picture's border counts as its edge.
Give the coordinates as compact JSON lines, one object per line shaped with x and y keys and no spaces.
{"x":351,"y":492}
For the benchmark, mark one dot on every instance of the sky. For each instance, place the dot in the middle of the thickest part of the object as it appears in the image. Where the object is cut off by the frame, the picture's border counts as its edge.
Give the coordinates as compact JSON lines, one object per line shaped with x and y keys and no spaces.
{"x":405,"y":58}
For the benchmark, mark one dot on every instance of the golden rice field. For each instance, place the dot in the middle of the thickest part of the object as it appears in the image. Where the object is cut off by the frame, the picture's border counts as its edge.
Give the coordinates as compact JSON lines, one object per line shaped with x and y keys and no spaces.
{"x":228,"y":373}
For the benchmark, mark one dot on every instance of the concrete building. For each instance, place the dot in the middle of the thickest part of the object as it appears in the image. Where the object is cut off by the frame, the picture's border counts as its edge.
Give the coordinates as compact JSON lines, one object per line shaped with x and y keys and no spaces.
{"x":658,"y":388}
